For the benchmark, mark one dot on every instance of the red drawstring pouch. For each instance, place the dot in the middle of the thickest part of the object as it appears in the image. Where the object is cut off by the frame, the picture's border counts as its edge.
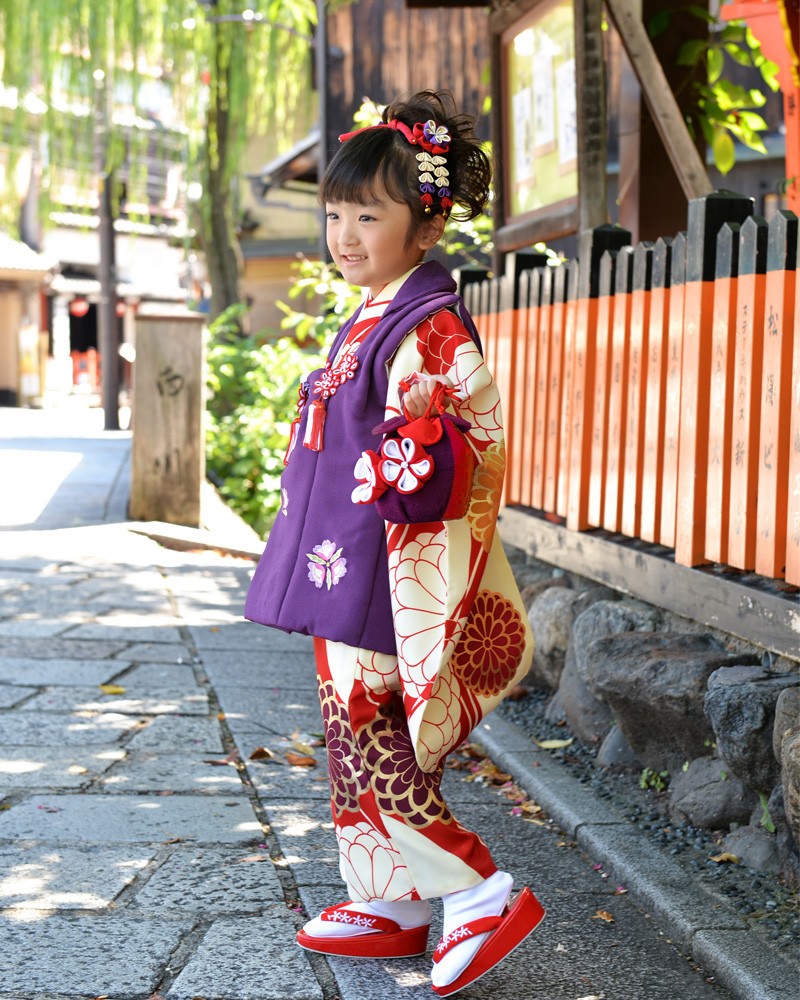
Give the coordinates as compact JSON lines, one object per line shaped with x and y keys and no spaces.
{"x":424,"y":467}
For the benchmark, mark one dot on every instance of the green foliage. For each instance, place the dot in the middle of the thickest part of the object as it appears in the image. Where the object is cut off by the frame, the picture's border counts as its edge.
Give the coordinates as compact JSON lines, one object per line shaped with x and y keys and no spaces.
{"x":766,"y":819}
{"x":253,"y":392}
{"x":657,"y":780}
{"x":723,"y":110}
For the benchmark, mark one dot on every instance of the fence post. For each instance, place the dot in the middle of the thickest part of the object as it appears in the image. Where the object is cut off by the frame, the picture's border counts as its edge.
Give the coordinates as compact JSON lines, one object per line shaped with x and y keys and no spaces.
{"x":617,"y":378}
{"x":593,"y":245}
{"x":555,"y":388}
{"x":723,"y":335}
{"x":567,"y":398}
{"x":653,"y":459}
{"x":746,"y":417}
{"x":168,"y":454}
{"x":633,"y":445}
{"x":672,"y":392}
{"x":602,"y":367}
{"x":776,"y":400}
{"x":531,"y":318}
{"x":793,"y":516}
{"x":706,"y":216}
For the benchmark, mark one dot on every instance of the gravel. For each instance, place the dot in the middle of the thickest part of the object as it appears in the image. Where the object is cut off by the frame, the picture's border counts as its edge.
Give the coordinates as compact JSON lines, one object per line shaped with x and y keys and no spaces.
{"x":771,"y":908}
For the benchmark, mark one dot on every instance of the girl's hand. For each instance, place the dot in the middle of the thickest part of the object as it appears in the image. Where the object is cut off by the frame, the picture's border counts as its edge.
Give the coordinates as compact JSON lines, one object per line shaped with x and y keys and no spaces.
{"x":418,"y":396}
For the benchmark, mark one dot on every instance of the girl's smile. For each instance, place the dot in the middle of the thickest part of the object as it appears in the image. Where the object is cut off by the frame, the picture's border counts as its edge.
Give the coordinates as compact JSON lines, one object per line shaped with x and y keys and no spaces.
{"x":371,"y":243}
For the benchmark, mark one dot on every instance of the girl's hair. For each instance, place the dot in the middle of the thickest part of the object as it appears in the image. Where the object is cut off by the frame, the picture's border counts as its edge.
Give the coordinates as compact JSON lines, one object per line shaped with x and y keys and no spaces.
{"x":376,"y":158}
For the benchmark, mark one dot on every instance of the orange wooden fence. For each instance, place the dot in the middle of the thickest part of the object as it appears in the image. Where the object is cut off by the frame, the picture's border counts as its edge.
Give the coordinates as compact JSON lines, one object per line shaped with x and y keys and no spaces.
{"x":654,"y":391}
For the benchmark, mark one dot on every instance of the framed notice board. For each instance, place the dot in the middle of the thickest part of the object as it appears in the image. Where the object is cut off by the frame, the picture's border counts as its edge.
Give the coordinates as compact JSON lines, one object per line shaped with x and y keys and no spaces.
{"x":537,"y":125}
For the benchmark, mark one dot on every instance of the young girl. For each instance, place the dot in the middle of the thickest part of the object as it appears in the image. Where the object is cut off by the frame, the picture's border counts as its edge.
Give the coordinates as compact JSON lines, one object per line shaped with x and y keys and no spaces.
{"x":419,"y":628}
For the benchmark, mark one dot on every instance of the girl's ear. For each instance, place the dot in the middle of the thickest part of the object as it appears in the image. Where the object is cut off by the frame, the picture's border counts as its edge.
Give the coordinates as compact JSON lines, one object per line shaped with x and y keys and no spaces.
{"x":430,"y":232}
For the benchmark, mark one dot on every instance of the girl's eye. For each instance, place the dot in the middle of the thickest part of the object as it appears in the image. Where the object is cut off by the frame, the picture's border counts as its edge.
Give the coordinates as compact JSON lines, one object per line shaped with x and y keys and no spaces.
{"x":366,"y":218}
{"x":331,"y":216}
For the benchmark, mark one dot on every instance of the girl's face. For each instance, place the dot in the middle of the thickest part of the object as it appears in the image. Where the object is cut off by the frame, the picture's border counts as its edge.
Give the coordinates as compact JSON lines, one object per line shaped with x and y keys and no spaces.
{"x":370,"y":244}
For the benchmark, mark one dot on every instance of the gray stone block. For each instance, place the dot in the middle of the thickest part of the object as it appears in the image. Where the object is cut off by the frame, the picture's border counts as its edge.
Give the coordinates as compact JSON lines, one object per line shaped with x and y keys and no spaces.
{"x":248,"y":635}
{"x":25,"y":670}
{"x":55,"y":767}
{"x":256,"y":669}
{"x":12,"y":694}
{"x":124,"y":819}
{"x":26,"y":728}
{"x":158,"y":652}
{"x":33,"y":629}
{"x":165,"y":702}
{"x":172,"y":772}
{"x":250,"y":958}
{"x":709,"y":795}
{"x":146,"y":632}
{"x":66,"y":956}
{"x":174,"y":732}
{"x":60,"y":648}
{"x":212,"y":882}
{"x":33,"y":877}
{"x":275,"y":711}
{"x":745,"y":966}
{"x":155,"y":675}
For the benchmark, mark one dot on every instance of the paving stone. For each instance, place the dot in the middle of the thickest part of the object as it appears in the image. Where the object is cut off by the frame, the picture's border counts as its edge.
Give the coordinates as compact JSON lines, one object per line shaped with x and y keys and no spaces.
{"x":173,"y":772}
{"x":273,"y":781}
{"x":158,"y":652}
{"x":76,"y":699}
{"x":307,"y":841}
{"x":31,"y":728}
{"x":10,"y":694}
{"x":276,"y":710}
{"x":32,"y":629}
{"x":62,"y":648}
{"x":211,"y":881}
{"x":157,"y":675}
{"x":253,"y":958}
{"x":34,"y":877}
{"x":172,"y":732}
{"x":248,"y":635}
{"x":54,"y":767}
{"x":73,"y":957}
{"x":61,"y":671}
{"x":132,"y":819}
{"x":255,"y":669}
{"x":146,"y":632}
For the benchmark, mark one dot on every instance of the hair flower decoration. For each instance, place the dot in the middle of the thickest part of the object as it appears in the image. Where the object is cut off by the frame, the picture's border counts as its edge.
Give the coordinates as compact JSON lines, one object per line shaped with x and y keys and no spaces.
{"x":437,"y":135}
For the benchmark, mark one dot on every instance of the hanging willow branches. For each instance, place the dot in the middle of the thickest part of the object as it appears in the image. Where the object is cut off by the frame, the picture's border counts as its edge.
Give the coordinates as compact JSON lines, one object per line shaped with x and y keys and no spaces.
{"x":186,"y":80}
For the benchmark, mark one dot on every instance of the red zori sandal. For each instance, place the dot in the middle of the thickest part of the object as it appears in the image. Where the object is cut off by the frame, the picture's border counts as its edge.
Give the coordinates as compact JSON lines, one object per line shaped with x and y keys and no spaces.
{"x":507,"y":932}
{"x":382,"y":938}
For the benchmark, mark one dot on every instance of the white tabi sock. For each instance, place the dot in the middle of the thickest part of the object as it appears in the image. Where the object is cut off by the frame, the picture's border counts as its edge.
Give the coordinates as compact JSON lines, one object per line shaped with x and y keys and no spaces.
{"x":405,"y":912}
{"x":488,"y":899}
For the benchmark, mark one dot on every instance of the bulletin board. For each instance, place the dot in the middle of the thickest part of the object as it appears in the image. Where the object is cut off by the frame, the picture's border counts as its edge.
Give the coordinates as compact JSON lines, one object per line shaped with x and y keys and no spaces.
{"x":538,"y":124}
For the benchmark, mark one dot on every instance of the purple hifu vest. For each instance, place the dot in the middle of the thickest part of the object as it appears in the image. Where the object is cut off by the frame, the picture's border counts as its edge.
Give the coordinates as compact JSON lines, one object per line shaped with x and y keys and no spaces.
{"x":325,"y":569}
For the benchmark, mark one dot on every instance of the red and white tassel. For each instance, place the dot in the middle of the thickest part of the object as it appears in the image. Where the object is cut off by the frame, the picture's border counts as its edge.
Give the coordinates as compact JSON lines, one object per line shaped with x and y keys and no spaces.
{"x":315,"y":428}
{"x":293,"y":432}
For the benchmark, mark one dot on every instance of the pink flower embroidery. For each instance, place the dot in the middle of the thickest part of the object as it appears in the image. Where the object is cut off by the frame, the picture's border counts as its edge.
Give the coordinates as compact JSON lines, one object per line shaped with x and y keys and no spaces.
{"x":406,"y":465}
{"x":327,"y":566}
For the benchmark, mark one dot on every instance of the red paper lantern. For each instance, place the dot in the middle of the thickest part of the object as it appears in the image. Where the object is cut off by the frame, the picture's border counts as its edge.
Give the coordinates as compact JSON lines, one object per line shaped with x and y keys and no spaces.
{"x":79,"y":307}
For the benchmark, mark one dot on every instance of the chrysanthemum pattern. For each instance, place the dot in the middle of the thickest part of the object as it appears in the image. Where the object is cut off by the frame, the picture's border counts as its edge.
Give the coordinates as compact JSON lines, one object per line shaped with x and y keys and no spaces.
{"x":370,"y":864}
{"x":378,"y":672}
{"x":450,"y":714}
{"x":347,"y":777}
{"x":401,"y":788}
{"x":488,"y":653}
{"x":485,"y":501}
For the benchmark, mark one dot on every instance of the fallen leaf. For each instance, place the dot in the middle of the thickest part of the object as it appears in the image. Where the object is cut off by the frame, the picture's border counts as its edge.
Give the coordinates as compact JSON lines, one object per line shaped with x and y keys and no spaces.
{"x":252,"y":858}
{"x":214,"y":628}
{"x":620,"y":890}
{"x":77,"y":769}
{"x":302,"y":747}
{"x":517,"y":693}
{"x":553,"y":744}
{"x":50,"y":809}
{"x":297,"y":760}
{"x":221,"y":716}
{"x":725,"y":856}
{"x":174,"y":840}
{"x":231,"y":759}
{"x":261,"y":753}
{"x":603,"y":915}
{"x":111,"y":688}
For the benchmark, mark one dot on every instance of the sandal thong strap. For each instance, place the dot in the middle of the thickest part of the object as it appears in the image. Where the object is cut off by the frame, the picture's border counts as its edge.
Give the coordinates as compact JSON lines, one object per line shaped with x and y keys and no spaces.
{"x":464,"y":932}
{"x":368,"y":921}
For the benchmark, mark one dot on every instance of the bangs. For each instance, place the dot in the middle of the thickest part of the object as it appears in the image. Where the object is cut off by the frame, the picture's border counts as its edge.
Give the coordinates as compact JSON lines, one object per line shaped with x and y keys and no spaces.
{"x":365,"y":167}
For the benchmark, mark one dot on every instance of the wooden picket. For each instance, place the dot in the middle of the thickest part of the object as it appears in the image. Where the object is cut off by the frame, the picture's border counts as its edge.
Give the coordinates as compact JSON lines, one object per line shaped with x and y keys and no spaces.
{"x":654,"y":391}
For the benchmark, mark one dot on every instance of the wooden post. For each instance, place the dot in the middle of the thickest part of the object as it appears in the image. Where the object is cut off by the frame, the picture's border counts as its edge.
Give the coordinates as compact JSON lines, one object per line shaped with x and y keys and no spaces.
{"x":706,"y":216}
{"x":793,"y":516}
{"x":555,"y":388}
{"x":542,"y":380}
{"x":633,"y":464}
{"x":531,"y":336}
{"x":593,"y":246}
{"x":617,"y":397}
{"x":653,"y":461}
{"x":776,"y":395}
{"x":565,"y":448}
{"x":686,"y":161}
{"x":504,"y":363}
{"x":723,"y":333}
{"x":168,"y":455}
{"x":746,"y":417}
{"x":672,"y":392}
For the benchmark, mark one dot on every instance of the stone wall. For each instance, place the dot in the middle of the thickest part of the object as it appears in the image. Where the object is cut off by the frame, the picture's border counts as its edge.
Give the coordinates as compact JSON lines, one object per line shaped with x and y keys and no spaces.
{"x":650,"y":689}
